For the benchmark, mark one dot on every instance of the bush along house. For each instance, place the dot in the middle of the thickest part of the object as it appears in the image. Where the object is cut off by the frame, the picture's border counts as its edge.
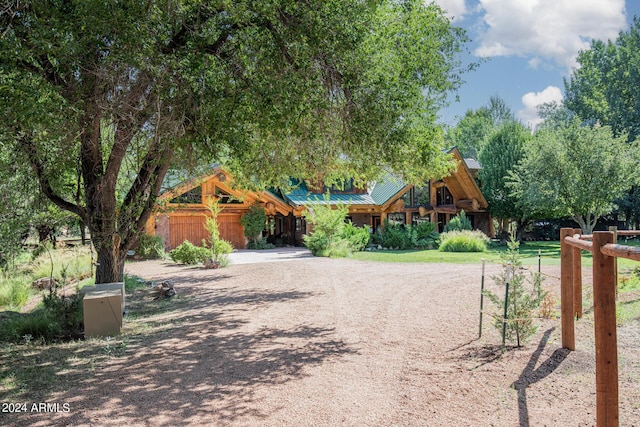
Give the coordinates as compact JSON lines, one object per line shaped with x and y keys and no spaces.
{"x":181,"y":210}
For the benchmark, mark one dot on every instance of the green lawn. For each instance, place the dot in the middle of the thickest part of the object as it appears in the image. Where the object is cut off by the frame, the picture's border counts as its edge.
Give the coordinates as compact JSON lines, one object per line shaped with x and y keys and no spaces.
{"x":550,"y":253}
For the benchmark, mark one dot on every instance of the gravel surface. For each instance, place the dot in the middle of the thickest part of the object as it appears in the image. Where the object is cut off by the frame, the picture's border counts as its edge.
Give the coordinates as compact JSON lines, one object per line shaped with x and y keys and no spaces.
{"x":322,"y":342}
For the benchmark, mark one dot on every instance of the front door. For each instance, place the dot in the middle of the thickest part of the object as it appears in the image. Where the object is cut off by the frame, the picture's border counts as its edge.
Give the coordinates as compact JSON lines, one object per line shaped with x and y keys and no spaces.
{"x":375,"y":222}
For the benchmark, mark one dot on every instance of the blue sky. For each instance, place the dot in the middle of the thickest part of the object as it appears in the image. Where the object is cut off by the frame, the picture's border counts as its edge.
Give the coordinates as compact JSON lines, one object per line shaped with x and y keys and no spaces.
{"x":531,"y":46}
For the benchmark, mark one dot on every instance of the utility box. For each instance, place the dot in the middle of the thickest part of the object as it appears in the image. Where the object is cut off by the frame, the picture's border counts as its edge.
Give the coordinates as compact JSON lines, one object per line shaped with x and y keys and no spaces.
{"x":105,"y":286}
{"x":102,"y":312}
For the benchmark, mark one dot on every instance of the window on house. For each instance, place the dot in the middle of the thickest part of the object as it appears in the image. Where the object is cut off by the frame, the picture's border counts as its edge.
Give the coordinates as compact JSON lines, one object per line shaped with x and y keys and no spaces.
{"x":408,"y":198}
{"x":421,"y":195}
{"x":225,"y":198}
{"x":417,"y":196}
{"x":397,"y":218}
{"x":443,"y":196}
{"x":191,"y":197}
{"x":343,"y":186}
{"x":417,"y":219}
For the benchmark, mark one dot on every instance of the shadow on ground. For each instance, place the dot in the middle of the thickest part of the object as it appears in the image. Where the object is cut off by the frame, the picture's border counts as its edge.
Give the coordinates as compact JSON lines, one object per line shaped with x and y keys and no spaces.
{"x":531,"y":374}
{"x":200,"y":361}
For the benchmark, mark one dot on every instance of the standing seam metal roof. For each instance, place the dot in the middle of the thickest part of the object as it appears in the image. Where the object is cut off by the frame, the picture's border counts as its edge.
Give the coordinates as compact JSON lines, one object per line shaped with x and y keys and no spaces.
{"x":380,"y":193}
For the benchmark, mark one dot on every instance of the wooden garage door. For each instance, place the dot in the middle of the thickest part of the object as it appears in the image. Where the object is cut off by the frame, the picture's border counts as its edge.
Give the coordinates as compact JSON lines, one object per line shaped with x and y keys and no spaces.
{"x":231,"y":229}
{"x":186,"y":227}
{"x":191,"y":228}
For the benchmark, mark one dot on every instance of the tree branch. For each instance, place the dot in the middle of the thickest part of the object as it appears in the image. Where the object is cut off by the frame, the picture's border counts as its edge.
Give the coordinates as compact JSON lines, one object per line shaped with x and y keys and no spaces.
{"x":144,"y":191}
{"x":180,"y":38}
{"x":27,"y":146}
{"x":133,"y":118}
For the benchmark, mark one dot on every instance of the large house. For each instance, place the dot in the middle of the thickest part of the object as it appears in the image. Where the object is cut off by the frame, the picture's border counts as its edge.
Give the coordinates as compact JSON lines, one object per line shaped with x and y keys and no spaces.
{"x":182,"y":209}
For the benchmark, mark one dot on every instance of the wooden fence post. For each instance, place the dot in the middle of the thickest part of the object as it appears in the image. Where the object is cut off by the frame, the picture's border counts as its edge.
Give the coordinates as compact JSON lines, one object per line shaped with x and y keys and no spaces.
{"x":566,"y":291}
{"x":577,"y":279}
{"x":614,"y":230}
{"x":604,"y":304}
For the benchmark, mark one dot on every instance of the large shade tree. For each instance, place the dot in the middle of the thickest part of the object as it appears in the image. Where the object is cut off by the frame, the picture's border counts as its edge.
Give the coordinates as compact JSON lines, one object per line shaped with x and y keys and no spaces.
{"x":603,"y":89}
{"x":575,"y":171}
{"x":114,"y":92}
{"x":500,"y":155}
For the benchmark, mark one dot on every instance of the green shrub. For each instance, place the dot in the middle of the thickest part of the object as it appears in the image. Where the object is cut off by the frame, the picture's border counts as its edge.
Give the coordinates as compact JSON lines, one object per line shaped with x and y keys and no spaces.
{"x":219,"y":251}
{"x":260,"y":244}
{"x":328,"y":226}
{"x":458,"y":223}
{"x":397,"y":236}
{"x":188,"y":253}
{"x":431,"y":241}
{"x":317,"y":243}
{"x":67,"y":310}
{"x":424,"y":229}
{"x":254,"y":222}
{"x":463,"y":241}
{"x":131,"y":283}
{"x":150,"y":247}
{"x":425,"y":236}
{"x":358,"y":237}
{"x":320,"y":245}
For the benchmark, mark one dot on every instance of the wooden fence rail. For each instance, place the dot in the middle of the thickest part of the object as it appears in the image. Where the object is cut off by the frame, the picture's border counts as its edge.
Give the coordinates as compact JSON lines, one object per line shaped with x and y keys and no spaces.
{"x":602,"y":245}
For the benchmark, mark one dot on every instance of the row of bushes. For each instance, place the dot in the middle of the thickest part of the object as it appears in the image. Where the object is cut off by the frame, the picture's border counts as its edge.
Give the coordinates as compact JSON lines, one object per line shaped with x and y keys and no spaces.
{"x":333,"y":237}
{"x":399,"y":236}
{"x":458,"y":236}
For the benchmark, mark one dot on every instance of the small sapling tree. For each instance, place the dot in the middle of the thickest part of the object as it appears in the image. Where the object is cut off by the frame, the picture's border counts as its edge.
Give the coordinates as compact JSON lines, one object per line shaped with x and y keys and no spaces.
{"x":219,"y":247}
{"x":328,"y":224}
{"x":524,"y":298}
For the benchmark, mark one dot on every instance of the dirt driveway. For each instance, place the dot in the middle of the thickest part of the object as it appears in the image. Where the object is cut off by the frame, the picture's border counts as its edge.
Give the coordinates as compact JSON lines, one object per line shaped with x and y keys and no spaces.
{"x":324,"y":342}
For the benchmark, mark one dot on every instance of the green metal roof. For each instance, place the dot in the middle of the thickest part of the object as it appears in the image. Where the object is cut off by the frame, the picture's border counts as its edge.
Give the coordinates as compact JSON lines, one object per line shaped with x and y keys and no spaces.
{"x":379,"y":194}
{"x":386,"y":188}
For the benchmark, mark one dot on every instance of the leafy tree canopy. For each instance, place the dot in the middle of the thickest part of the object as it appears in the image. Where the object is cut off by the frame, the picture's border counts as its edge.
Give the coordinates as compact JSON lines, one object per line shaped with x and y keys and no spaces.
{"x":499,"y":157}
{"x":604,"y":90}
{"x":116,"y":91}
{"x":575,"y":171}
{"x":472,"y":130}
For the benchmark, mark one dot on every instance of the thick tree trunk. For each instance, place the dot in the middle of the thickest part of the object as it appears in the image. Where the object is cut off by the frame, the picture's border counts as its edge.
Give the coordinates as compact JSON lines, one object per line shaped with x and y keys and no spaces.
{"x":110,"y":266}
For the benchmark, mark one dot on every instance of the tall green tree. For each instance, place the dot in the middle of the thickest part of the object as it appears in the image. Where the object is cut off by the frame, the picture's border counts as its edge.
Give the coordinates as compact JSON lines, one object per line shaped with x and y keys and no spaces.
{"x":470,"y":133}
{"x":499,"y":157}
{"x":603,"y":89}
{"x":472,"y":130}
{"x":272,"y":89}
{"x":575,"y":171}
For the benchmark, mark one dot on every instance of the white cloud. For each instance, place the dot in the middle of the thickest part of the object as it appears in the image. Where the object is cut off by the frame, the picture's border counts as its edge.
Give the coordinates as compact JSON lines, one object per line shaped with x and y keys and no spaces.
{"x":534,"y":63}
{"x":552,"y":30}
{"x":454,"y":9}
{"x":531,"y":100}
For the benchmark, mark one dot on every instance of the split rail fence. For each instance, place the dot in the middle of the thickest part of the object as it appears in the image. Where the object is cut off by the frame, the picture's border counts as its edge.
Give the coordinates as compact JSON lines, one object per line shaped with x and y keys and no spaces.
{"x":605,"y":250}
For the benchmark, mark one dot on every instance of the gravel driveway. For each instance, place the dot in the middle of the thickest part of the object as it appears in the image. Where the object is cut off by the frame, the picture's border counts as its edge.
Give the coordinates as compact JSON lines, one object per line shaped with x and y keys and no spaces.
{"x":322,"y":342}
